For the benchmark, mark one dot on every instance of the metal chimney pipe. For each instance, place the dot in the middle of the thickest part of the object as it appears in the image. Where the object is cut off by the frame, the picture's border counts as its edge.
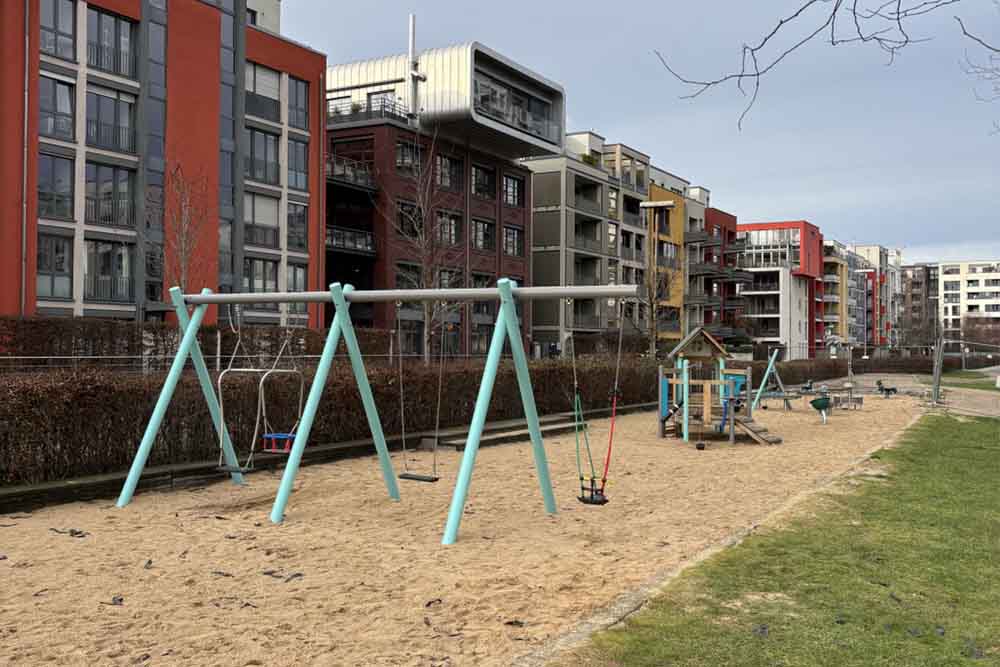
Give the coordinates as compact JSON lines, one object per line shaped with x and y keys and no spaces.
{"x":412,"y":74}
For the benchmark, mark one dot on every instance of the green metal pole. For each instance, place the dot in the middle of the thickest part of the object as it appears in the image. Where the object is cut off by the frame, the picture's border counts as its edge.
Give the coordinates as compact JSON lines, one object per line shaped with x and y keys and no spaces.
{"x":228,"y":452}
{"x":763,"y":382}
{"x":461,"y":491}
{"x":367,"y":398}
{"x":189,"y":339}
{"x":527,"y":395}
{"x":308,"y":415}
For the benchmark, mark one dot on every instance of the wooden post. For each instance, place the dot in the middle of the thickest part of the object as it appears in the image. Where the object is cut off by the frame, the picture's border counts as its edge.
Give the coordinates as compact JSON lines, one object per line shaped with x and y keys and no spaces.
{"x":706,"y":389}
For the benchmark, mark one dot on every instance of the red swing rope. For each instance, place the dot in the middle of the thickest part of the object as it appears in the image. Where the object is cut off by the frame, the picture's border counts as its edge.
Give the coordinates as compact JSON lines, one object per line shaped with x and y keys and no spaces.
{"x":614,"y":396}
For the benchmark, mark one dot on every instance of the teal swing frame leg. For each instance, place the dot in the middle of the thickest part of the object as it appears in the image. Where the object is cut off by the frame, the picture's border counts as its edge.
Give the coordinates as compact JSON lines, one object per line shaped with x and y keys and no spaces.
{"x":341,"y":326}
{"x":506,"y":328}
{"x":189,"y":324}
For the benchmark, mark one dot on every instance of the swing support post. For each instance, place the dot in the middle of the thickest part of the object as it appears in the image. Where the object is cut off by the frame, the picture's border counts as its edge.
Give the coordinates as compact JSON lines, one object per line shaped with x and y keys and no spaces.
{"x":506,"y":328}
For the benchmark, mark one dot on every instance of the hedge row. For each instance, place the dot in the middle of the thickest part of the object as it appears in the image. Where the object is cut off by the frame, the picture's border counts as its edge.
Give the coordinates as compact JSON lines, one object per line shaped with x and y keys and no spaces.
{"x":65,"y":424}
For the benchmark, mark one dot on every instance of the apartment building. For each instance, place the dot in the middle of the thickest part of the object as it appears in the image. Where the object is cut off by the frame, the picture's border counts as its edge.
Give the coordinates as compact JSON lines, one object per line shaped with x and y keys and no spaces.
{"x":666,"y":225}
{"x":839,"y":305}
{"x":137,"y":111}
{"x":587,"y":230}
{"x":919,"y":324}
{"x":885,"y":285}
{"x":425,"y":187}
{"x":969,"y":297}
{"x":784,"y":300}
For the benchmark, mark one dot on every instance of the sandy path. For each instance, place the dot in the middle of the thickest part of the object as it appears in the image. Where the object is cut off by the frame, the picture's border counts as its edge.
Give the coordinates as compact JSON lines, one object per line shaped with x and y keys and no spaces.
{"x":376,"y":588}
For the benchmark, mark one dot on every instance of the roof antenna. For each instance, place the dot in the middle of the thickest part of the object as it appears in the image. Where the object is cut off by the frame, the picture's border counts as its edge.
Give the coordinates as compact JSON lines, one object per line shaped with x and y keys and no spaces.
{"x":415,"y":75}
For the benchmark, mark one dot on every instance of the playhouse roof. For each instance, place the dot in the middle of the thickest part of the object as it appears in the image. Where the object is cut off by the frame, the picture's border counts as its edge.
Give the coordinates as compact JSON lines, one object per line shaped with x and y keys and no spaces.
{"x":695,"y":341}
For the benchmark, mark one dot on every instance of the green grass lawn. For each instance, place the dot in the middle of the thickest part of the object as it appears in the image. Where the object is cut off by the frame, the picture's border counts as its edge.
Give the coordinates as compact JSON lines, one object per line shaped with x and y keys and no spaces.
{"x":903,"y":571}
{"x":964,"y":375}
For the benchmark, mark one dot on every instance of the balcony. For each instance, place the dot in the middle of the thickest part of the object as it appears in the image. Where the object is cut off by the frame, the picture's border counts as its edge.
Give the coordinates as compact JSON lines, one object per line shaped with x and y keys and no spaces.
{"x":519,"y":118}
{"x":110,"y":59}
{"x":111,"y":137}
{"x":831,"y":278}
{"x":630,"y":254}
{"x":581,"y":242}
{"x":358,"y":112}
{"x":116,"y":289}
{"x":701,"y":298}
{"x":737,"y":246}
{"x":586,"y":278}
{"x":696,"y":236}
{"x":831,"y":317}
{"x":762,"y":288}
{"x":110,"y":211}
{"x":56,"y":125}
{"x":633,"y":219}
{"x":720,"y":329}
{"x":831,"y":298}
{"x":264,"y":107}
{"x":350,"y":172}
{"x":580,"y":320}
{"x":735,"y":274}
{"x":765,"y":333}
{"x":761,"y":310}
{"x":704,"y":269}
{"x":353,"y":241}
{"x":584,"y":203}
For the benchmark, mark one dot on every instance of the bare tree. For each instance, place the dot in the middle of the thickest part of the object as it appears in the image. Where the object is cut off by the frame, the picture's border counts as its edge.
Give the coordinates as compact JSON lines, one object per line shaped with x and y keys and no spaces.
{"x":985,"y":70}
{"x":185,"y":214}
{"x":888,"y":26}
{"x":425,"y":232}
{"x":657,"y":287}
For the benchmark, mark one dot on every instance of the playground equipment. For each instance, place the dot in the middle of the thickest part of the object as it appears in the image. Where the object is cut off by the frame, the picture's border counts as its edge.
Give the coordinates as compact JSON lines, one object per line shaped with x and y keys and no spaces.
{"x":884,"y":390}
{"x":678,"y":405}
{"x":821,"y":404}
{"x":507,"y":329}
{"x":592,"y":489}
{"x":775,"y":390}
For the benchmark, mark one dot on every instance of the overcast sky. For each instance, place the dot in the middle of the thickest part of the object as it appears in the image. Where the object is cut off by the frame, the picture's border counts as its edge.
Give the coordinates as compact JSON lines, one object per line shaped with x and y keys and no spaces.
{"x":898,"y":155}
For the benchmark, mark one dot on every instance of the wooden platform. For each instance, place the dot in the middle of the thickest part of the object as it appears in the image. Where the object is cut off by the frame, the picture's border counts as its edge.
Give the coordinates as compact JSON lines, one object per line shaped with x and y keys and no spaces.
{"x":757,"y":431}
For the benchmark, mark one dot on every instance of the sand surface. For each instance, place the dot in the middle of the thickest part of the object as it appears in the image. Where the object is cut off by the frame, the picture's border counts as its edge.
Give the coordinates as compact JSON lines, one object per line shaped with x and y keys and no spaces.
{"x":353,"y":579}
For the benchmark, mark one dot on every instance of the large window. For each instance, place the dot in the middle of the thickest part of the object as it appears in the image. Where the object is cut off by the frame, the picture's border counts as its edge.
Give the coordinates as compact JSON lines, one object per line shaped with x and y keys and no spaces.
{"x":110,"y":195}
{"x":58,"y":21}
{"x":260,"y":275}
{"x":296,"y":283}
{"x":55,"y":187}
{"x":55,"y":267}
{"x":108,"y":273}
{"x":263,"y":86}
{"x":110,"y":120}
{"x":55,"y":108}
{"x":484,"y":235}
{"x":298,"y":164}
{"x":513,"y":191}
{"x":262,"y":159}
{"x":514,"y":107}
{"x":449,"y":227}
{"x":260,"y":216}
{"x":298,"y":103}
{"x":482,"y":307}
{"x":407,"y":157}
{"x":448,"y":172}
{"x":484,"y":182}
{"x":110,"y":43}
{"x":298,"y":227}
{"x":513,"y":241}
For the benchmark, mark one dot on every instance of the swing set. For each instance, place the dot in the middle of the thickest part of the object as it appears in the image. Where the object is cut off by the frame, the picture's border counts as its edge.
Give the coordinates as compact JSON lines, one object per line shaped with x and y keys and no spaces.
{"x":506,"y":330}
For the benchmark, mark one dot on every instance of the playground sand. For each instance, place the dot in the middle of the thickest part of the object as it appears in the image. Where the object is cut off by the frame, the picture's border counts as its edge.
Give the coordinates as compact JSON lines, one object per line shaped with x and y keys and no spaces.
{"x":354,"y":579}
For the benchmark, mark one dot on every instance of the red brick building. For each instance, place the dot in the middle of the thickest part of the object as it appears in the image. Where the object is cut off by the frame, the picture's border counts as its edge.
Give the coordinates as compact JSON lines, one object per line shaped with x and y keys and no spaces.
{"x":133,"y":107}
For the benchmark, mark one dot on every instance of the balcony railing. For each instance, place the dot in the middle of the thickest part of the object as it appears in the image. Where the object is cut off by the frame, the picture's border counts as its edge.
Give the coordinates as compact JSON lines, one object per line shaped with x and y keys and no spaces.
{"x":736,"y":274}
{"x":757,"y":310}
{"x":696,"y":236}
{"x":111,"y":59}
{"x":357,"y":112}
{"x":57,"y":125}
{"x":350,"y":240}
{"x":629,"y":253}
{"x":764,"y":333}
{"x":703,"y":269}
{"x":108,"y":288}
{"x":584,"y":203}
{"x":583,"y":320}
{"x":831,"y":317}
{"x":522,"y":120}
{"x":111,"y":137}
{"x":110,"y":211}
{"x":263,"y":107}
{"x":350,"y":171}
{"x":583,"y":278}
{"x":633,"y":219}
{"x":762,"y":287}
{"x":262,"y":235}
{"x":831,"y":298}
{"x":831,"y":278}
{"x":739,"y":245}
{"x":587,"y":243}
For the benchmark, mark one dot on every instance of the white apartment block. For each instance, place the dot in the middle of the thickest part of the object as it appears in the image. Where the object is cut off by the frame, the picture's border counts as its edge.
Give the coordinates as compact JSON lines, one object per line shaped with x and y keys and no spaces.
{"x":265,"y":14}
{"x":968,"y":289}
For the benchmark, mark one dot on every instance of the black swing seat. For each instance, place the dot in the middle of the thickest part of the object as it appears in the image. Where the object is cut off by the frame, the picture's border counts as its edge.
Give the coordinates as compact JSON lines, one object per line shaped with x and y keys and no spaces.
{"x":592,"y":497}
{"x":415,"y":477}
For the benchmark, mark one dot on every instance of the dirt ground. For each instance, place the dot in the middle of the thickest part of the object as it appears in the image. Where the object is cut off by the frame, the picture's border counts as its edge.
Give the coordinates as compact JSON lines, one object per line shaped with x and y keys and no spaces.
{"x":200,"y":577}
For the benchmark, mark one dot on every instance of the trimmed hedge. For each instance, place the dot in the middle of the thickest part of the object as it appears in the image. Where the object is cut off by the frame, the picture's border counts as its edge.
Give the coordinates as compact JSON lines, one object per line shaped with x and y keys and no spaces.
{"x":63,"y":424}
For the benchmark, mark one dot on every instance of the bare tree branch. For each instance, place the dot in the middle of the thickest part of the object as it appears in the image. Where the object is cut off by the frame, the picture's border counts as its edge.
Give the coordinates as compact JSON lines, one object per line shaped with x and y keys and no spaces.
{"x":185,"y":214}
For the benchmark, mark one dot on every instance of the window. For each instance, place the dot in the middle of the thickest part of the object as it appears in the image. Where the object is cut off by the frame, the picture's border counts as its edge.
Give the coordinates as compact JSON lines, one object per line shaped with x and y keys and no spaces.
{"x":297,"y":283}
{"x":262,"y":157}
{"x":448,"y":172}
{"x":298,"y":165}
{"x":514,"y":107}
{"x":612,"y":237}
{"x":484,"y":182}
{"x":481,"y":336}
{"x":952,"y":285}
{"x":298,"y":227}
{"x":513,"y":191}
{"x":513,"y":241}
{"x":409,"y":221}
{"x":482,"y":307}
{"x":110,"y":120}
{"x":260,"y":275}
{"x":449,"y":278}
{"x":55,"y":108}
{"x":108,"y":272}
{"x":260,"y":217}
{"x":251,"y":16}
{"x":55,"y":187}
{"x":110,"y":41}
{"x":484,"y":235}
{"x":55,"y":267}
{"x":407,"y":157}
{"x":449,"y":227}
{"x":58,"y":21}
{"x":263,"y":86}
{"x":972,"y":283}
{"x":612,"y":202}
{"x":110,"y":195}
{"x":298,"y":103}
